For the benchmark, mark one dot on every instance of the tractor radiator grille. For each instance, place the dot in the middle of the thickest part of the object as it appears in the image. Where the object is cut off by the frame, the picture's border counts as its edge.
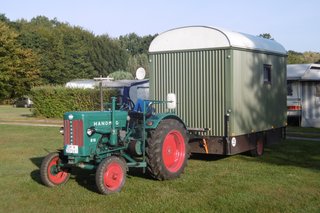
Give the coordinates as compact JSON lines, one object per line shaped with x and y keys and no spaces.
{"x":73,"y":132}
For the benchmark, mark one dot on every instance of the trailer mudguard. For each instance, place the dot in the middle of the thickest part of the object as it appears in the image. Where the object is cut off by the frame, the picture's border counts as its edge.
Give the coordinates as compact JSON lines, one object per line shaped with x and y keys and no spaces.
{"x":153,"y":121}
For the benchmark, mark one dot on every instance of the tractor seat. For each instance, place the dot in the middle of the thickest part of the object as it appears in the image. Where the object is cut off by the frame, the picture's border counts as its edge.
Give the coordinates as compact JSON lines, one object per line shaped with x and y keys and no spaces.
{"x":137,"y":112}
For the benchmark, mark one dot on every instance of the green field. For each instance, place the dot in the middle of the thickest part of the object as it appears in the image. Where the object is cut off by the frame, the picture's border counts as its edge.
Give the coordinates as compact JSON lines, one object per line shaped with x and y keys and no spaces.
{"x":285,"y":179}
{"x":22,"y":115}
{"x":7,"y":112}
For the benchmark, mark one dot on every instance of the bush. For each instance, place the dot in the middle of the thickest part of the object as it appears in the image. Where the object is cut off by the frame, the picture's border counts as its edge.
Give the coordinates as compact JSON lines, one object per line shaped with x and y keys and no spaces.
{"x":54,"y":101}
{"x":121,"y":75}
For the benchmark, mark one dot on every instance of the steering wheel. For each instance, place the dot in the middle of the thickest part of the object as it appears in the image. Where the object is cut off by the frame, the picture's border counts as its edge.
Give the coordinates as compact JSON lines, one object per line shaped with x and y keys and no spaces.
{"x":127,"y":103}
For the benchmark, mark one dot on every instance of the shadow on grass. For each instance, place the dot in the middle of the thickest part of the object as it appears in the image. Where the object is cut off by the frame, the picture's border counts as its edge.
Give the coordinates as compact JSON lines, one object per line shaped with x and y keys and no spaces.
{"x":207,"y":157}
{"x":35,"y":175}
{"x":37,"y":161}
{"x":138,"y":172}
{"x":27,"y":115}
{"x":85,"y":178}
{"x":304,"y":154}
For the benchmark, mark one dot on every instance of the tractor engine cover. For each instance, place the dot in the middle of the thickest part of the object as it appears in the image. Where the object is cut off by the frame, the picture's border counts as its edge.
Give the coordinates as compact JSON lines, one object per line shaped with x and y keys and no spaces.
{"x":77,"y":142}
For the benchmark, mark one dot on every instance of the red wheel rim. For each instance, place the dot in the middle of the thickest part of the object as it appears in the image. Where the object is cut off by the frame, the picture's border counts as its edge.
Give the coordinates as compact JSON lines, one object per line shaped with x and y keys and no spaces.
{"x":173,"y":151}
{"x":113,"y":176}
{"x":56,"y":177}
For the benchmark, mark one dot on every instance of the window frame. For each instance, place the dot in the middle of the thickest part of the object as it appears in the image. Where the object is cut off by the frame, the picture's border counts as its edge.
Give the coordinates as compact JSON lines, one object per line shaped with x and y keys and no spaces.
{"x":267,"y":74}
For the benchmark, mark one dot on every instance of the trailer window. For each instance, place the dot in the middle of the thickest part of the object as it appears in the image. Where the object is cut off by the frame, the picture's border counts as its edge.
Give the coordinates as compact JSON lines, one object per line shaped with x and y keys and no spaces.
{"x":289,"y":89}
{"x":267,"y":73}
{"x":315,"y":68}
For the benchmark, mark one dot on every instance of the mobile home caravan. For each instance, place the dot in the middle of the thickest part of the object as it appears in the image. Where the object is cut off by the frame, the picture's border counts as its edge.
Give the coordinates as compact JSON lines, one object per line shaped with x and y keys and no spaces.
{"x":303,"y":99}
{"x":230,"y":86}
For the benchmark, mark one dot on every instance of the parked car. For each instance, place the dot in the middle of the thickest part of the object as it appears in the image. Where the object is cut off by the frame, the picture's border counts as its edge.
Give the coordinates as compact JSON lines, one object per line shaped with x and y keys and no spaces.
{"x":25,"y":102}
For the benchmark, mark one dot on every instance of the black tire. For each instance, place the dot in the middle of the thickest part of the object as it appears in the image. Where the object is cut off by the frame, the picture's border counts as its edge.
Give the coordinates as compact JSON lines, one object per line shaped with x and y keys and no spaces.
{"x":50,"y":174}
{"x":167,"y":150}
{"x":259,"y":149}
{"x":111,"y":175}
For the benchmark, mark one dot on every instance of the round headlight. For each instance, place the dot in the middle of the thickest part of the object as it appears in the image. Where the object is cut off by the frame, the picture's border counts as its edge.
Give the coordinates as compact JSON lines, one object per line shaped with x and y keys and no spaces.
{"x":90,"y":131}
{"x":70,"y":117}
{"x":61,"y":130}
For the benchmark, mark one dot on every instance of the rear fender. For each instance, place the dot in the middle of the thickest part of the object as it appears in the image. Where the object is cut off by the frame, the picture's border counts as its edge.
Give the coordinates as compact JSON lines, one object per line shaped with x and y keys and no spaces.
{"x":154,"y":120}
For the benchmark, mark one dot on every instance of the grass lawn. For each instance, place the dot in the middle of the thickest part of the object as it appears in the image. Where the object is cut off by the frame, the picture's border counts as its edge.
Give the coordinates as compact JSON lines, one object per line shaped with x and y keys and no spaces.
{"x":285,"y":179}
{"x":307,"y":132}
{"x":23,"y":115}
{"x":8,"y":112}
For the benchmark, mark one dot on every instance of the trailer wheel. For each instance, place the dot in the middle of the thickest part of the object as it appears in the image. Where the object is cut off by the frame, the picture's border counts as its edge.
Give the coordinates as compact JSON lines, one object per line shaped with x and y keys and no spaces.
{"x":111,"y":175}
{"x":259,"y":149}
{"x":51,"y":175}
{"x":167,"y":150}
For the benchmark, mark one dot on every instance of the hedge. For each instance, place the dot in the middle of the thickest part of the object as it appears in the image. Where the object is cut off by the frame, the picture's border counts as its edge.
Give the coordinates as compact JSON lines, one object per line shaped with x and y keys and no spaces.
{"x":54,"y":101}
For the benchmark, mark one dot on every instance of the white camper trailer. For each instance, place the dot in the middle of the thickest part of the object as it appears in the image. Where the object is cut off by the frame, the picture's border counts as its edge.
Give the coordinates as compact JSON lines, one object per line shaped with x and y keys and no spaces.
{"x":133,"y":89}
{"x":303,"y":98}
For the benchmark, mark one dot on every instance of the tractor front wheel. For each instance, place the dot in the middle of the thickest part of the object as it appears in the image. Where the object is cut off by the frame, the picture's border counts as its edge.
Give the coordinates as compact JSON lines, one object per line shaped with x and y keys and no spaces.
{"x":167,"y":150}
{"x":50,"y":172}
{"x":111,"y":175}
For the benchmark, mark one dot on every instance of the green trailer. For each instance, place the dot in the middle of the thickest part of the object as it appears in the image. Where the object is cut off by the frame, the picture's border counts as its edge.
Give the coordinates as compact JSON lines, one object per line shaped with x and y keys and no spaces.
{"x":230,"y":87}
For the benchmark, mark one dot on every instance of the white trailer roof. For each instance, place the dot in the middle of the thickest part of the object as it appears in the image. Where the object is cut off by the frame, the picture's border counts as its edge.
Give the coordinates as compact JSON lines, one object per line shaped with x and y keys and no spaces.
{"x":82,"y":83}
{"x":204,"y":37}
{"x":123,"y":83}
{"x":91,"y":84}
{"x":303,"y":72}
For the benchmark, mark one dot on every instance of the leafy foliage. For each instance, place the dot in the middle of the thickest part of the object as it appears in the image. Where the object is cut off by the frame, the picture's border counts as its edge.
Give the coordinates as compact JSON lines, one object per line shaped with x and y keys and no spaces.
{"x":54,"y":101}
{"x":303,"y":58}
{"x":296,"y":57}
{"x":63,"y":49}
{"x":19,"y":70}
{"x":135,"y":44}
{"x":107,"y":56}
{"x":266,"y":35}
{"x":62,"y":52}
{"x":121,"y":75}
{"x":137,"y":47}
{"x":69,"y":52}
{"x":137,"y":61}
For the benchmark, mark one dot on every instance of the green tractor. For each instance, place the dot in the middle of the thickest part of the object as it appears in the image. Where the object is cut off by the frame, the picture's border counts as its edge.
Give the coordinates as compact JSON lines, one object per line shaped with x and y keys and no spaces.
{"x":111,"y":142}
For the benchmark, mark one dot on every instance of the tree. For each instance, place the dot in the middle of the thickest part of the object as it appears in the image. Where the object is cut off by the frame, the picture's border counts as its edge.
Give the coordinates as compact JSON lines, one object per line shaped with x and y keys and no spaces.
{"x":4,"y":19}
{"x":137,"y":47}
{"x":68,"y":52}
{"x":19,"y":70}
{"x":295,"y":57}
{"x":311,"y":57}
{"x":107,"y":56}
{"x":121,"y":75}
{"x":63,"y":50}
{"x":135,"y":44}
{"x":136,"y":61}
{"x":266,"y":35}
{"x":303,"y":58}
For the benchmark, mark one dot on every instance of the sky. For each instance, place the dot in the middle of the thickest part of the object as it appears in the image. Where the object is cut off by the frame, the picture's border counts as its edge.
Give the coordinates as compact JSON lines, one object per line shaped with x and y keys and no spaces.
{"x":293,"y":23}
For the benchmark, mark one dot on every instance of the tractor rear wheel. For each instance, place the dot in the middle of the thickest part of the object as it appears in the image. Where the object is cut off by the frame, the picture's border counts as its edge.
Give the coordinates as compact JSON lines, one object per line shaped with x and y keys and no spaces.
{"x":167,"y":150}
{"x":111,"y":175}
{"x":50,"y":173}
